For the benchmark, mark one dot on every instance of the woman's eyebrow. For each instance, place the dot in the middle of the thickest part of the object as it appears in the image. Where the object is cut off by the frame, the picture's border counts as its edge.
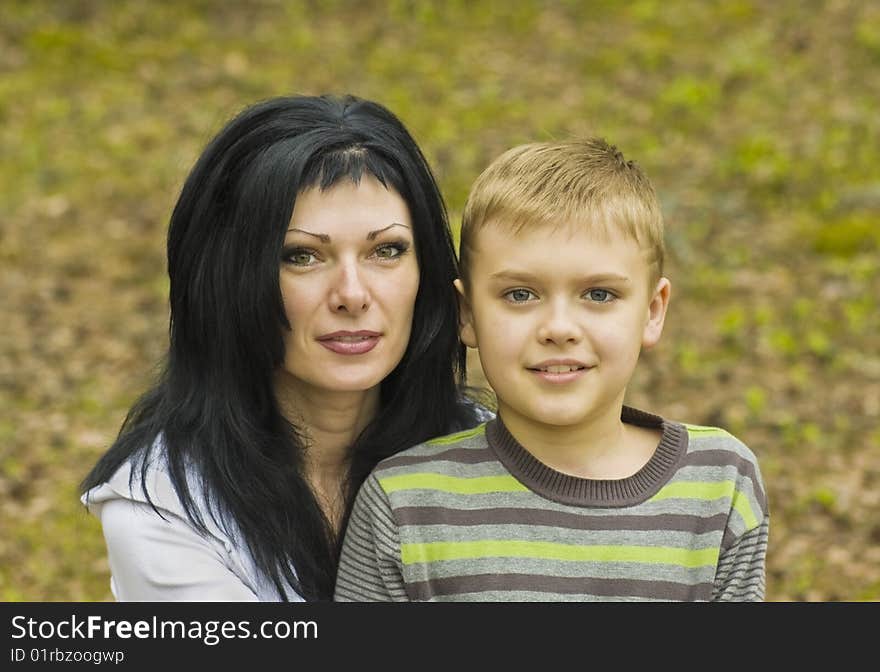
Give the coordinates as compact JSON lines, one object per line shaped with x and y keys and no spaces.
{"x":324,"y":238}
{"x":373,"y":234}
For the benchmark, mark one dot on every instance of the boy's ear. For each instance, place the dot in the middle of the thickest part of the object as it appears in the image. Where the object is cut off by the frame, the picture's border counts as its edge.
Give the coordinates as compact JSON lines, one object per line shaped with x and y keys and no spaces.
{"x":465,"y":316}
{"x":656,"y":313}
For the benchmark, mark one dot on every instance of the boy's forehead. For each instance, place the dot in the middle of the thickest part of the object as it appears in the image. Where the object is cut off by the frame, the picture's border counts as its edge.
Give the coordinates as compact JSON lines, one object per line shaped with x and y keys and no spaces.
{"x":581,"y":232}
{"x":504,"y":243}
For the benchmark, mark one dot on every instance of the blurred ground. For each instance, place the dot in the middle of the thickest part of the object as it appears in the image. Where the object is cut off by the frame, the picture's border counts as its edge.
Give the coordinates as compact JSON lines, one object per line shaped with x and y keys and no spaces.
{"x":756,"y":121}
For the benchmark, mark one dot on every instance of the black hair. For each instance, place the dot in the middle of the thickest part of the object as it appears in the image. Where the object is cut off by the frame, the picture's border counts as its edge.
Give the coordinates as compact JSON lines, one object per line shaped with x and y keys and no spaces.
{"x":213,"y":408}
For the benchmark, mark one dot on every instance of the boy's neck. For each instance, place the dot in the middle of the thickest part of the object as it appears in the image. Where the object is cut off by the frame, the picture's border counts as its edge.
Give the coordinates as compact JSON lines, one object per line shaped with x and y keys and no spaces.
{"x":602,"y":447}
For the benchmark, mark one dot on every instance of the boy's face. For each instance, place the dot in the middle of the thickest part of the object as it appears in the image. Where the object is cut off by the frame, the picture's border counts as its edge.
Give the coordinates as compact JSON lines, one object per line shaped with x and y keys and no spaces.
{"x":559,"y":317}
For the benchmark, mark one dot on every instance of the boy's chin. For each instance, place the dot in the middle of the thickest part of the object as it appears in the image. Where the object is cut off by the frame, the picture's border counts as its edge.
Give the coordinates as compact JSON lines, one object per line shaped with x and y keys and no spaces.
{"x":562,"y":420}
{"x":555,"y":416}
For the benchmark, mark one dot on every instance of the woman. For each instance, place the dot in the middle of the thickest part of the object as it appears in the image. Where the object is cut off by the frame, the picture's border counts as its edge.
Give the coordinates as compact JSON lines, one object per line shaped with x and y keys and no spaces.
{"x":313,"y":332}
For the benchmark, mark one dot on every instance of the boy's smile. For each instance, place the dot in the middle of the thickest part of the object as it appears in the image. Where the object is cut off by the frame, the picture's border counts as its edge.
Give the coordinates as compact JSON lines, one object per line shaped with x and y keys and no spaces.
{"x":559,"y":370}
{"x":560,"y":317}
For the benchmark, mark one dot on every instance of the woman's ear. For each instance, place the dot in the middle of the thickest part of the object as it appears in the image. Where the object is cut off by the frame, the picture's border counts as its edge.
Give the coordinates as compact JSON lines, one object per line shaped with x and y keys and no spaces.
{"x":656,"y":313}
{"x":465,"y":316}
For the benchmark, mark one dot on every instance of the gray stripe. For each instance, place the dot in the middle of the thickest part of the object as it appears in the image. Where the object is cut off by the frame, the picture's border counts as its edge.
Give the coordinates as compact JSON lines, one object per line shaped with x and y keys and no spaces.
{"x":359,"y":541}
{"x":461,"y":455}
{"x":526,"y":499}
{"x":359,"y":590}
{"x":740,"y":569}
{"x":521,"y":596}
{"x":728,"y":540}
{"x":437,"y":515}
{"x":755,"y":539}
{"x":455,"y":469}
{"x":359,"y":582}
{"x":483,"y":534}
{"x":377,"y":502}
{"x":753,"y":591}
{"x":731,"y":567}
{"x":553,"y":586}
{"x":719,"y":457}
{"x":626,"y":571}
{"x":741,"y":574}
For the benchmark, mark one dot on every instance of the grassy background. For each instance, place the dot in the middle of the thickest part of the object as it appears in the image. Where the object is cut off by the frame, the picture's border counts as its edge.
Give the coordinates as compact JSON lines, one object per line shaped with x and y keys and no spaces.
{"x":757,"y":122}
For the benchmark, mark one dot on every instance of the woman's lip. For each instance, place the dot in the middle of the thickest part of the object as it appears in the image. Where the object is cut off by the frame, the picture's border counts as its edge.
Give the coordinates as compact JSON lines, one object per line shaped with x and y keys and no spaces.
{"x":348,"y":334}
{"x":350,"y":342}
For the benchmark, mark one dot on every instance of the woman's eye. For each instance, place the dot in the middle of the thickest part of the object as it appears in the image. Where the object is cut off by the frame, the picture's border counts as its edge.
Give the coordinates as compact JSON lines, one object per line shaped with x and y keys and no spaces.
{"x":600,"y":295}
{"x":520,"y":295}
{"x":390,"y":251}
{"x":300,"y":257}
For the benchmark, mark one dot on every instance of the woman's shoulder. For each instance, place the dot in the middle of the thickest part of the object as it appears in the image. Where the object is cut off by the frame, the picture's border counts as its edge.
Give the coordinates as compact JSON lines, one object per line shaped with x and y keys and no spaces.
{"x":142,"y":514}
{"x":475,"y":412}
{"x":144,"y":479}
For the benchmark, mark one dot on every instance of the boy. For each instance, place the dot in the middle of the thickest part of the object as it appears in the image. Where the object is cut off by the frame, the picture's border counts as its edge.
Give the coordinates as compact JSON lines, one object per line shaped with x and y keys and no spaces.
{"x":567,"y":494}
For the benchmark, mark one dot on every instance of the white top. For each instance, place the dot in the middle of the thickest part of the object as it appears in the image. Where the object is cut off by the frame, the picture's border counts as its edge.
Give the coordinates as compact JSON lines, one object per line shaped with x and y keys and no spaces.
{"x":158,"y":560}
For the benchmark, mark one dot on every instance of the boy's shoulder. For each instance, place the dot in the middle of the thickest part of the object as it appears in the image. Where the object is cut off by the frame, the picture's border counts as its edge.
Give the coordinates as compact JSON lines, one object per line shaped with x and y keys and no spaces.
{"x":703,"y":438}
{"x":441,"y":453}
{"x":727,"y":457}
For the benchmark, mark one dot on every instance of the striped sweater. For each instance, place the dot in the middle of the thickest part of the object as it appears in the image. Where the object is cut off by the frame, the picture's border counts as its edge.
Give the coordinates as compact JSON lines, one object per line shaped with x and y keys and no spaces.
{"x":475,"y":517}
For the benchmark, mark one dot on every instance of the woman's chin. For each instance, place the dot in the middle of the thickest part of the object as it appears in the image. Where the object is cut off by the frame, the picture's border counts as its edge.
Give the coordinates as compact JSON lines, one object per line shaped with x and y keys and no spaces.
{"x":339,"y":381}
{"x":326,"y":372}
{"x":352,"y":385}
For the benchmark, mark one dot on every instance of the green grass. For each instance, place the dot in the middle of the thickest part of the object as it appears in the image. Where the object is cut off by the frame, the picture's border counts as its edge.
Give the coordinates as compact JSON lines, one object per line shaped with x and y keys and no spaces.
{"x":756,"y":121}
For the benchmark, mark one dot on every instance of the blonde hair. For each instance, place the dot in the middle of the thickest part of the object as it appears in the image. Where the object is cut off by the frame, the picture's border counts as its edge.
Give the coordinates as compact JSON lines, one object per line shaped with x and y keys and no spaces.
{"x":583,"y":182}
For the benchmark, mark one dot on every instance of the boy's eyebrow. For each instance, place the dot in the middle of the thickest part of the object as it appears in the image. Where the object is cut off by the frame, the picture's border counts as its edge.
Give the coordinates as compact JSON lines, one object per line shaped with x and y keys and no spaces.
{"x":324,"y":238}
{"x":524,"y":276}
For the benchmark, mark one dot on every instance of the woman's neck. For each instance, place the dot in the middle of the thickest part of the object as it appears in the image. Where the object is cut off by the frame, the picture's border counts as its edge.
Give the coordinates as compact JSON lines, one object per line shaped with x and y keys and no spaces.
{"x":330,"y":423}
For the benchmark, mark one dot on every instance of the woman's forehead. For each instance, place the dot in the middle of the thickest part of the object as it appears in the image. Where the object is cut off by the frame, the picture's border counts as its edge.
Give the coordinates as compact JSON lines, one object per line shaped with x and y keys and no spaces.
{"x":365,"y":207}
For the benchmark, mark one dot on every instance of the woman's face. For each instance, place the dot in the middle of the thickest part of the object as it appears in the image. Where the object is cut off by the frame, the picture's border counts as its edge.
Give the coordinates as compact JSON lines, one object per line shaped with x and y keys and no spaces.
{"x":349,"y":278}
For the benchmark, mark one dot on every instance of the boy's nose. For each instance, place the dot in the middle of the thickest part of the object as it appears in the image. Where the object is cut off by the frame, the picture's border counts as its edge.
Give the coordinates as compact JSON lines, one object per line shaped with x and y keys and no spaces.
{"x":559,"y":327}
{"x":349,"y":293}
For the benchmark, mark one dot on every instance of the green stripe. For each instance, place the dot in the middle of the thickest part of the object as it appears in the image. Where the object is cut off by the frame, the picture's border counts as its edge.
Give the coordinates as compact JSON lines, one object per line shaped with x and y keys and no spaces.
{"x":460,"y":486}
{"x":699,"y":430}
{"x":696,"y":490}
{"x":742,"y":506}
{"x":709,"y":490}
{"x":545,"y":550}
{"x":459,"y":436}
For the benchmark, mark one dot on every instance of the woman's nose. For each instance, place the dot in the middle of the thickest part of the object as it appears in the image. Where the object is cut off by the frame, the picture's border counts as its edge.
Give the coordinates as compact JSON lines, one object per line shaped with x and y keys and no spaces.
{"x":349,"y":293}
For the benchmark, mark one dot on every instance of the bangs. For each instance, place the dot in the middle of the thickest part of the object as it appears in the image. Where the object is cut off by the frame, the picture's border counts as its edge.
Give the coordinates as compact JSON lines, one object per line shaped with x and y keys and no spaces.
{"x":598,"y":217}
{"x":350,"y":162}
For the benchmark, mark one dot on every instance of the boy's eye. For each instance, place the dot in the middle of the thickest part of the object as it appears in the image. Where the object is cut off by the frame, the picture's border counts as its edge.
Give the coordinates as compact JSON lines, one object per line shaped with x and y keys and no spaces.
{"x":600,"y":295}
{"x":300,"y":257}
{"x":520,"y":295}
